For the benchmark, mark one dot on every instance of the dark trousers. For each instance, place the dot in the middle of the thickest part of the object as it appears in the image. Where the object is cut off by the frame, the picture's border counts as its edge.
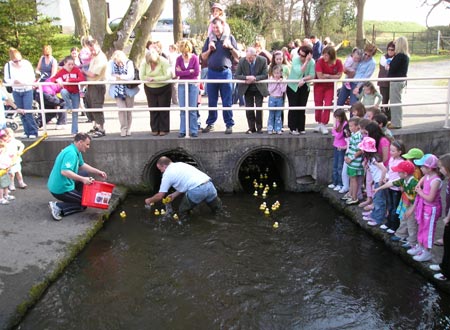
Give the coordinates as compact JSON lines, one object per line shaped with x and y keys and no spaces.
{"x":297,"y":118}
{"x":384,"y":91}
{"x":159,"y":97}
{"x":445,"y":264}
{"x":392,"y":199}
{"x":95,"y":97}
{"x":254,"y":117}
{"x":71,"y":200}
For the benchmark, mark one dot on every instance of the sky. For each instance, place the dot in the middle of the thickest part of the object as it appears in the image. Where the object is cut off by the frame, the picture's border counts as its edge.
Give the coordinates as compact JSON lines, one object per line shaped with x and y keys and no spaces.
{"x":405,"y":10}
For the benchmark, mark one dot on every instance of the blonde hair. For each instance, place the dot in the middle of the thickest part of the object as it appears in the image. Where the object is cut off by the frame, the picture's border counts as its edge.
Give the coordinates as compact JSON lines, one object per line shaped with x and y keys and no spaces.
{"x":401,"y":46}
{"x":186,"y":47}
{"x":14,"y":54}
{"x":119,"y":55}
{"x":47,"y":49}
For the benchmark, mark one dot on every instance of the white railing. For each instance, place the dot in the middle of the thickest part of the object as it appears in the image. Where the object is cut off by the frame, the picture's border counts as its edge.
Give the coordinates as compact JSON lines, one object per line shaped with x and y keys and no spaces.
{"x":187,"y":108}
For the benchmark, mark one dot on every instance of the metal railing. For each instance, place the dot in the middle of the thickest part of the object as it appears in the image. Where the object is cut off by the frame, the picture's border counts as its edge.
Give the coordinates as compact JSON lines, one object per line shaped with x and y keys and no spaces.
{"x":186,"y":108}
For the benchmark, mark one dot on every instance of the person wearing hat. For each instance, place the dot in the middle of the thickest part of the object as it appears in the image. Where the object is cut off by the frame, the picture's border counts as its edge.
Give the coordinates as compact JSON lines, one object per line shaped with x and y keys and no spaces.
{"x":427,"y":207}
{"x":218,"y":11}
{"x":378,"y":171}
{"x":414,"y":153}
{"x":406,"y":233}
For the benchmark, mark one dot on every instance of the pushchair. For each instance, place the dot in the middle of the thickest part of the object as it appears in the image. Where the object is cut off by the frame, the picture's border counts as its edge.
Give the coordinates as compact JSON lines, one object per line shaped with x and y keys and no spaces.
{"x":51,"y":101}
{"x":11,"y":119}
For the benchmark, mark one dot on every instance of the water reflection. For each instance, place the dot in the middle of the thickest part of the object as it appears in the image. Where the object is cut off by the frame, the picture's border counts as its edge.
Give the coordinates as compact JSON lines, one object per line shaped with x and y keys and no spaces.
{"x":316,"y":271}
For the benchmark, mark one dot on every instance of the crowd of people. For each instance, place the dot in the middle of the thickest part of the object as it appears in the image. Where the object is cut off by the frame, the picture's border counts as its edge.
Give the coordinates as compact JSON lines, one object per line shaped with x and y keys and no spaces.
{"x":398,"y":191}
{"x":221,"y":57}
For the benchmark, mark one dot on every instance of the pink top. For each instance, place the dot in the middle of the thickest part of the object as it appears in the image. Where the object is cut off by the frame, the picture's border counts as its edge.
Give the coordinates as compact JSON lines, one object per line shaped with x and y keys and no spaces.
{"x":391,"y":175}
{"x":420,"y":202}
{"x":184,"y":72}
{"x":276,"y":88}
{"x":339,"y":137}
{"x":384,"y":143}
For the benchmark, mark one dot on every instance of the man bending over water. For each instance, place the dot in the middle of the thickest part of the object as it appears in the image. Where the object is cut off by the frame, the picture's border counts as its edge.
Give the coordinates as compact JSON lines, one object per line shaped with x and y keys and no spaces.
{"x":188,"y":180}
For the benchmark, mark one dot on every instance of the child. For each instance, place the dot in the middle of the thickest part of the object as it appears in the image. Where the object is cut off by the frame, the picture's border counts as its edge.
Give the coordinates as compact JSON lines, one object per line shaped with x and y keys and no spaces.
{"x":15,"y":148}
{"x":280,"y":59}
{"x":427,"y":207}
{"x":5,"y":164}
{"x":369,"y":95}
{"x":393,"y":194}
{"x":371,"y":113}
{"x":378,"y":171}
{"x":411,"y":155}
{"x":339,"y":146}
{"x":444,"y":266}
{"x":353,"y":158}
{"x":218,"y":11}
{"x":382,"y":121}
{"x":407,"y":182}
{"x":276,"y":90}
{"x":350,"y":65}
{"x":357,"y":109}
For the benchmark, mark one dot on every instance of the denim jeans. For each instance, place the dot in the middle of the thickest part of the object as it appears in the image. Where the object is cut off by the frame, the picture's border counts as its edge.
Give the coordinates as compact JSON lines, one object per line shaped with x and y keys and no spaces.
{"x":274,"y":122}
{"x":24,"y":100}
{"x":345,"y":93}
{"x":226,"y":93}
{"x":193,"y":98}
{"x":72,"y":102}
{"x":379,"y":206}
{"x":338,"y":163}
{"x":392,"y":201}
{"x":204,"y":192}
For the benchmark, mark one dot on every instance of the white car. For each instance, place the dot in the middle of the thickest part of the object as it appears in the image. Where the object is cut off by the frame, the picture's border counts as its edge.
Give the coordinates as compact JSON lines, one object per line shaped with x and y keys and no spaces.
{"x":166,"y":25}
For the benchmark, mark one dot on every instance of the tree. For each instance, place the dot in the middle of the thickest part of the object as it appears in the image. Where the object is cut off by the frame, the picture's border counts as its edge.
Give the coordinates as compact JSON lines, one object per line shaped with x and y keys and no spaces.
{"x":177,"y":22}
{"x":22,"y":27}
{"x":360,"y":38}
{"x":81,"y":23}
{"x":434,"y":4}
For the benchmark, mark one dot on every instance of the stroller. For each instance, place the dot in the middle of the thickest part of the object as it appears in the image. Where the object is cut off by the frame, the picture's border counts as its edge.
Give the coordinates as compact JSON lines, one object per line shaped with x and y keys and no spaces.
{"x":51,"y":101}
{"x":11,"y":119}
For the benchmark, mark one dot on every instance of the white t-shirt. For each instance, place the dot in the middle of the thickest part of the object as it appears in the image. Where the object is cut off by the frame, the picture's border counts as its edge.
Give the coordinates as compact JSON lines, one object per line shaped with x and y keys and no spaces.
{"x":182,"y":177}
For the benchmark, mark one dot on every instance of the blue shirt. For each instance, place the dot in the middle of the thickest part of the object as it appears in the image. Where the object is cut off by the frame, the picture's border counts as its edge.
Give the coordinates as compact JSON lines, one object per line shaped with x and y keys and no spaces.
{"x":365,"y":69}
{"x":221,"y":58}
{"x":317,"y":50}
{"x":68,"y":159}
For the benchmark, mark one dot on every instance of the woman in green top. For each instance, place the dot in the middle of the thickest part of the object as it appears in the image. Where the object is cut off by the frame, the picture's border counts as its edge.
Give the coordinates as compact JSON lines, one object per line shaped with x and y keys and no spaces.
{"x":156,"y":70}
{"x":302,"y":69}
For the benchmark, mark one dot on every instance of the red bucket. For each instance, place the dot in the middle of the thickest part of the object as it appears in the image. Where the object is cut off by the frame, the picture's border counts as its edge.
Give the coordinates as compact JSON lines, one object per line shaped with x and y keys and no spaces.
{"x":97,"y":194}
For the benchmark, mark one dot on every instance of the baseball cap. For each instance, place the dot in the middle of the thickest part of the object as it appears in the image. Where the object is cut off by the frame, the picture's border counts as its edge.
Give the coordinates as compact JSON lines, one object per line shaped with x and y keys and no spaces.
{"x":404,"y":166}
{"x":368,"y":144}
{"x":414,"y":153}
{"x":218,"y":6}
{"x":428,"y":160}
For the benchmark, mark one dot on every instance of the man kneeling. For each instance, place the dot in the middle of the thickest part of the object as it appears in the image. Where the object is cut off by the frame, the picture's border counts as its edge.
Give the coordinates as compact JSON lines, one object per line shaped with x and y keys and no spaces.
{"x":188,"y":180}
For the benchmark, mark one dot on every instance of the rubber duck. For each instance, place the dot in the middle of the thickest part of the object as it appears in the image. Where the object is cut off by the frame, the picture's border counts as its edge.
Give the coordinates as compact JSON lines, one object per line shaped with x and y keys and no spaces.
{"x":275,"y":225}
{"x":256,"y":185}
{"x":262,"y":207}
{"x":255,"y":193}
{"x":267,"y":212}
{"x":123,"y":214}
{"x":264,"y":195}
{"x":274,"y":184}
{"x":163,"y":212}
{"x":156,"y":212}
{"x":175,"y":216}
{"x":261,"y":176}
{"x":274,"y":207}
{"x":265,"y":176}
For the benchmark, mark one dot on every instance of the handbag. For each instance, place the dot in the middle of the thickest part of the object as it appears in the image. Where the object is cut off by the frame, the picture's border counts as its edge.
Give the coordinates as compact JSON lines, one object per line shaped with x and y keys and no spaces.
{"x":136,"y":77}
{"x":8,"y":88}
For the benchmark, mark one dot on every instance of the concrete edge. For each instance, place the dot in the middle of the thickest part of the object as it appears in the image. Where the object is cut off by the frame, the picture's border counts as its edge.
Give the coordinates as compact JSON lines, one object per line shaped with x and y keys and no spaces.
{"x":72,"y":251}
{"x":354,"y":213}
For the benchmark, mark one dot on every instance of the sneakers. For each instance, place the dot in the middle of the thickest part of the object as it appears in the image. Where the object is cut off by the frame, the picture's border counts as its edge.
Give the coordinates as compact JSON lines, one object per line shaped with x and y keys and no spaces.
{"x":12,"y":187}
{"x":435,"y":268}
{"x":366,"y":213}
{"x":406,"y":246}
{"x":365,"y":203}
{"x":367,"y":218}
{"x":352,"y":201}
{"x":384,"y":227}
{"x":302,"y":132}
{"x":390,"y":231}
{"x":229,"y":130}
{"x":372,"y":223}
{"x":424,"y":256}
{"x":32,"y":136}
{"x":279,"y":132}
{"x":368,"y":207}
{"x":323,"y":129}
{"x":414,"y":251}
{"x":337,"y":188}
{"x":346,"y":197}
{"x":208,"y":128}
{"x":440,"y":277}
{"x":4,"y":201}
{"x":398,"y":239}
{"x":9,"y":197}
{"x":294,"y":133}
{"x":343,"y":190}
{"x":318,"y":128}
{"x":331,"y":186}
{"x":55,"y":211}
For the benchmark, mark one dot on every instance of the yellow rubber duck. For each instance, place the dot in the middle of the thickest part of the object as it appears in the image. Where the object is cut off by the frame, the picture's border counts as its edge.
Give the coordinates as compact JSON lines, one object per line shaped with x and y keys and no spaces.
{"x":255,"y":193}
{"x":274,"y":207}
{"x":274,"y":184}
{"x":265,"y":176}
{"x":123,"y":214}
{"x":156,"y":212}
{"x":175,"y":216}
{"x":262,"y":207}
{"x":261,"y":186}
{"x":275,"y":225}
{"x":261,"y":176}
{"x":163,"y":212}
{"x":267,"y":212}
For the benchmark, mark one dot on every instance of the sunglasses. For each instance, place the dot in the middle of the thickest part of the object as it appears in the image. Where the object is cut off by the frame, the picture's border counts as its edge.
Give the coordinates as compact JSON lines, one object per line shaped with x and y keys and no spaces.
{"x":301,"y":55}
{"x":17,"y":61}
{"x":368,"y":55}
{"x":391,"y":49}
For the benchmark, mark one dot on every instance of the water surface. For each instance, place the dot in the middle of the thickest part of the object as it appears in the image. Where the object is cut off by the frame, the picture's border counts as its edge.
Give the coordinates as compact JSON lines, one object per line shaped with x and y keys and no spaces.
{"x":317,"y":270}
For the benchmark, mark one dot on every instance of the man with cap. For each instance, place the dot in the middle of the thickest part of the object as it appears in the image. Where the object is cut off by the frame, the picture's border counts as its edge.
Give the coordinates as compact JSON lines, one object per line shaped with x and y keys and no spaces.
{"x":406,"y":233}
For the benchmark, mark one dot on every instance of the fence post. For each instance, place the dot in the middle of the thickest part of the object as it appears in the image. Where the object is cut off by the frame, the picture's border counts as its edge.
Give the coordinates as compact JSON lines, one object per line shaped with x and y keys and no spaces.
{"x":448,"y":104}
{"x":438,"y":42}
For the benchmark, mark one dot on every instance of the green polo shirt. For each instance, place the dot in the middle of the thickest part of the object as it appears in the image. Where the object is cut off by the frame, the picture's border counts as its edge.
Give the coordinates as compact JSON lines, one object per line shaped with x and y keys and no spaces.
{"x":68,"y":159}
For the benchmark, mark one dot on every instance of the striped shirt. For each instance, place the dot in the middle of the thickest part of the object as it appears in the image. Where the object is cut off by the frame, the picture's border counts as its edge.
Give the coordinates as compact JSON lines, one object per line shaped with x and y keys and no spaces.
{"x":353,"y":148}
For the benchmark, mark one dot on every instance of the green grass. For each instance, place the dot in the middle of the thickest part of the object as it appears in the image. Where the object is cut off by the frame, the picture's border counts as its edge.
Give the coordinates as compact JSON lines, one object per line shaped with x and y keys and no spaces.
{"x":62,"y":43}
